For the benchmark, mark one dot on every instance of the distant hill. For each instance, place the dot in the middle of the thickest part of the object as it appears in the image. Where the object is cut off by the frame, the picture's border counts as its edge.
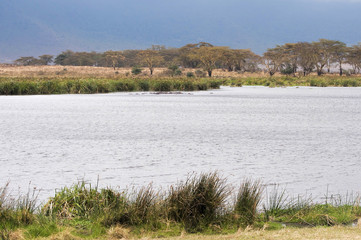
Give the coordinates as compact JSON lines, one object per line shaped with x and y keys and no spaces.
{"x":32,"y":28}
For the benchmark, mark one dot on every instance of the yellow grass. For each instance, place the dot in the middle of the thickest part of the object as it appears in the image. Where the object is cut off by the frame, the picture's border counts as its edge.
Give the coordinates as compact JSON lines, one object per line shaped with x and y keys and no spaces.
{"x":84,"y":71}
{"x":285,"y":234}
{"x":316,"y":233}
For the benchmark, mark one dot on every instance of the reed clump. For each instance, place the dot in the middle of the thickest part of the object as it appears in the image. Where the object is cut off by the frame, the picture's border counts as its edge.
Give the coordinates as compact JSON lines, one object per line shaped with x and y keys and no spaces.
{"x":34,"y":86}
{"x":247,"y":202}
{"x":201,"y":203}
{"x":198,"y":201}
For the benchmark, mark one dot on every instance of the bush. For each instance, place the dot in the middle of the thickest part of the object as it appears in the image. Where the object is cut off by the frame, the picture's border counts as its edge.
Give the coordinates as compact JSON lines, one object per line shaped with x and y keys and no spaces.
{"x":162,"y":86}
{"x":190,"y":74}
{"x":136,"y":70}
{"x":143,"y":85}
{"x":200,"y":73}
{"x":178,"y":72}
{"x":84,"y":201}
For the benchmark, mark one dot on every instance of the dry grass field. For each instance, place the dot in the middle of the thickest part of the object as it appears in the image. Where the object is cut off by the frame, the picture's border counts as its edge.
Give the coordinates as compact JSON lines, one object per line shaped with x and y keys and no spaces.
{"x":317,"y":233}
{"x":286,"y":234}
{"x":104,"y":72}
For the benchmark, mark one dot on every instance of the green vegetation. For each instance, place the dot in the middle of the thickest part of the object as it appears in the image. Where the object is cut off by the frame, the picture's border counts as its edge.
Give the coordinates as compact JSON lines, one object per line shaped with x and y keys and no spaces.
{"x":45,"y":85}
{"x":33,"y":86}
{"x":285,"y":81}
{"x":200,"y":204}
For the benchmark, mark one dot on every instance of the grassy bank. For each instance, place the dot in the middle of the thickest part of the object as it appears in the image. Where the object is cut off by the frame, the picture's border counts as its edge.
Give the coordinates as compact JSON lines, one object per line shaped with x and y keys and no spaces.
{"x":284,"y":81}
{"x":66,"y":85}
{"x":203,"y":203}
{"x":34,"y":86}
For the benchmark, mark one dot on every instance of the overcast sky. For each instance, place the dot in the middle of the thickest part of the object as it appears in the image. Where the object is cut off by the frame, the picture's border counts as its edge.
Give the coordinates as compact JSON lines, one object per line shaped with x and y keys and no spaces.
{"x":50,"y":26}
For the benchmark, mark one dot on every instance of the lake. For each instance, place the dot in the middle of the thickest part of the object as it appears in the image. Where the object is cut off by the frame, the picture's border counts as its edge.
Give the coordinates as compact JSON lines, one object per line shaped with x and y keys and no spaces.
{"x":306,"y":139}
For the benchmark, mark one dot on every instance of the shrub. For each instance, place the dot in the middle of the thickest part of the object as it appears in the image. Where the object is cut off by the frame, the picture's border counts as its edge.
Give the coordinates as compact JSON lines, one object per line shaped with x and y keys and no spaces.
{"x":178,"y":72}
{"x":190,"y":74}
{"x":136,"y":70}
{"x":81,"y":200}
{"x":201,"y":85}
{"x":162,"y":86}
{"x":143,"y":85}
{"x":200,"y":73}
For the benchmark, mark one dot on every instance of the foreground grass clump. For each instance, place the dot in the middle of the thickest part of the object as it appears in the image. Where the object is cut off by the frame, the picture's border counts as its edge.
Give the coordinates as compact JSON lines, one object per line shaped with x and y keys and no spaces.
{"x":248,"y":200}
{"x":200,"y":204}
{"x":199,"y":201}
{"x":33,"y":86}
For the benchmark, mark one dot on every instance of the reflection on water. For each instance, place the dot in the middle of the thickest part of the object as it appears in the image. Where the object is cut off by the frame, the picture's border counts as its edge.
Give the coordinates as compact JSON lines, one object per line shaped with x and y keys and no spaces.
{"x":305,"y":138}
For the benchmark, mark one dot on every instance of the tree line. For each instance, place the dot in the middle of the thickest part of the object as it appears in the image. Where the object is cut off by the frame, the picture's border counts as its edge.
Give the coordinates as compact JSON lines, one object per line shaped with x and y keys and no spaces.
{"x":290,"y":58}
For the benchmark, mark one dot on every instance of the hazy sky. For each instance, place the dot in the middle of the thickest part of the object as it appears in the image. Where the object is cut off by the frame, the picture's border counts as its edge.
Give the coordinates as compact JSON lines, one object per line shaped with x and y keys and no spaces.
{"x":50,"y":26}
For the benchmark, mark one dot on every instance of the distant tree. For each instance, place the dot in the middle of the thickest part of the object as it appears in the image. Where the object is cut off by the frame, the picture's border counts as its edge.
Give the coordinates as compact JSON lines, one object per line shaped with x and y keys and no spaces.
{"x":26,"y":61}
{"x":354,"y":58}
{"x":246,"y":60}
{"x":62,"y":58}
{"x":339,"y":52}
{"x":307,"y":58}
{"x":291,"y":59}
{"x":186,"y":57}
{"x":114,"y":58}
{"x":46,"y":59}
{"x":150,"y":58}
{"x":328,"y":52}
{"x":323,"y":55}
{"x":273,"y":59}
{"x":208,"y":57}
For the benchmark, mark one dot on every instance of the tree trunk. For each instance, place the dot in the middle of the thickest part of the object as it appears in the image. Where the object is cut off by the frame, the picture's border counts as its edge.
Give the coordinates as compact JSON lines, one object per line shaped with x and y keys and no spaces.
{"x":209,"y":73}
{"x":341,"y":70}
{"x":319,"y":72}
{"x":151,"y":71}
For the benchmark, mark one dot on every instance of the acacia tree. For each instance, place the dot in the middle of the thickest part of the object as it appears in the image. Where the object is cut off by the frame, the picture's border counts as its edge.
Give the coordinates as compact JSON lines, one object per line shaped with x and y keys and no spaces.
{"x":186,"y":54}
{"x":273,"y":59}
{"x":228,"y":59}
{"x":354,"y":57}
{"x":322,"y":50}
{"x":339,"y":54}
{"x":46,"y":59}
{"x":290,"y":59}
{"x":113,"y":58}
{"x":246,"y":60}
{"x":306,"y":57}
{"x":26,"y":61}
{"x":151,"y":58}
{"x":329,"y":51}
{"x":208,"y":57}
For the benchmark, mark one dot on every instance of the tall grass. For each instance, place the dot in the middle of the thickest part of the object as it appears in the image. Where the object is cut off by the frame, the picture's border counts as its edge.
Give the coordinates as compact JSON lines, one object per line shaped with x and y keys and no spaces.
{"x":201,"y":203}
{"x":17,"y":212}
{"x":33,"y":86}
{"x":248,"y":200}
{"x":198,"y":201}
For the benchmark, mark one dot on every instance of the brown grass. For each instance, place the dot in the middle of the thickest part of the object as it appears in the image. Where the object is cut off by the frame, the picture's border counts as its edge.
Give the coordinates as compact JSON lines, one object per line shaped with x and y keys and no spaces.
{"x":104,"y":72}
{"x":285,"y":234}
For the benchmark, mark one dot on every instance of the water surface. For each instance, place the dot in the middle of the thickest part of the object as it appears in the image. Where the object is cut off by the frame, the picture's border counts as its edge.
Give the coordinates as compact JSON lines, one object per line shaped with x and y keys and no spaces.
{"x":304,"y":138}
